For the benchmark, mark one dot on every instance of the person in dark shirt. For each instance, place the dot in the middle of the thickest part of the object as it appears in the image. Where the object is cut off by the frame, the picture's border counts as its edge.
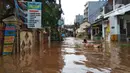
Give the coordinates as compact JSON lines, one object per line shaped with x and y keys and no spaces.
{"x":84,"y":41}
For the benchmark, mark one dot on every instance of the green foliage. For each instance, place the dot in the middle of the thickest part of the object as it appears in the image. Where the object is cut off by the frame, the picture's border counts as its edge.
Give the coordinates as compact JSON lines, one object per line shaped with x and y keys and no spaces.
{"x":51,"y":13}
{"x":6,"y":8}
{"x":125,"y":45}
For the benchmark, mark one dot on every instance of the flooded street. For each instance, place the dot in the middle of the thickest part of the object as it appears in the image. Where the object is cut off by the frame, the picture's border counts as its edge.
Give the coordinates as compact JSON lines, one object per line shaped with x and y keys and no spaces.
{"x":64,"y":36}
{"x":70,"y":56}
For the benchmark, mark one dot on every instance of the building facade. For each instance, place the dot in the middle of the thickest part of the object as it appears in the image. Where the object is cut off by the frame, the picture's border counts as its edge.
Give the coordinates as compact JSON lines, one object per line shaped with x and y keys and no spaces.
{"x":117,"y":13}
{"x":93,"y":10}
{"x":79,"y":19}
{"x":113,"y":21}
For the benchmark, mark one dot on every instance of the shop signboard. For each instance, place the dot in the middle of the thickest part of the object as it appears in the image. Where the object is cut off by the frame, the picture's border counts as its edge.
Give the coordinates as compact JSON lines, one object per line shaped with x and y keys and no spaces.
{"x":34,"y":14}
{"x":7,"y":49}
{"x":9,"y":39}
{"x":9,"y":36}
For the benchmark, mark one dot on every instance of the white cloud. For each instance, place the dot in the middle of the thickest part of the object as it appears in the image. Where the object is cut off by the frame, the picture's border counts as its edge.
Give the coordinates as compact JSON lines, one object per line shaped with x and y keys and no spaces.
{"x":72,"y":8}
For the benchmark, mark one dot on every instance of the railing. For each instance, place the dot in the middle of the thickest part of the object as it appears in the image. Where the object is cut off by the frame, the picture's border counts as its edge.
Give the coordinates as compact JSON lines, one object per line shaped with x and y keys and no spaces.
{"x":125,"y":2}
{"x":122,"y":37}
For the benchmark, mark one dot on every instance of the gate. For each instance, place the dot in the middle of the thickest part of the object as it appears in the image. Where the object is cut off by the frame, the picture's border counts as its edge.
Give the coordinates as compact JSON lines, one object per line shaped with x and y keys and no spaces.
{"x":26,"y":44}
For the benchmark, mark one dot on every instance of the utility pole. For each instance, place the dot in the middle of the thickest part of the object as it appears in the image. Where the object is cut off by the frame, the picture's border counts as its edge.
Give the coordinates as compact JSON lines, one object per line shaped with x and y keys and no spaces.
{"x":60,"y":2}
{"x":34,"y":34}
{"x":17,"y":50}
{"x":49,"y":38}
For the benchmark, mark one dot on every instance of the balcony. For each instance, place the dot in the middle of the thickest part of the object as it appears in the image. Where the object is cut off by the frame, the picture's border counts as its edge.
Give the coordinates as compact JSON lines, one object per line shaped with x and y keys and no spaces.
{"x":108,"y":7}
{"x":124,"y":2}
{"x":120,"y":7}
{"x":118,"y":11}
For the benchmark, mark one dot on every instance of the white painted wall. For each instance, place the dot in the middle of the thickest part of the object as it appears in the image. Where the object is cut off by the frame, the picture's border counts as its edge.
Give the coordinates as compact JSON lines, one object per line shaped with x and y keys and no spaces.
{"x":114,"y":23}
{"x":103,"y":31}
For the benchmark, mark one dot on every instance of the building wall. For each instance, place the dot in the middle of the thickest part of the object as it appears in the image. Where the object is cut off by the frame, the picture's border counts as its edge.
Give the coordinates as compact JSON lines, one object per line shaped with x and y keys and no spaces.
{"x":79,"y":19}
{"x":114,"y":19}
{"x":115,"y":28}
{"x":94,"y":9}
{"x":122,"y":1}
{"x":111,"y":29}
{"x":86,"y":12}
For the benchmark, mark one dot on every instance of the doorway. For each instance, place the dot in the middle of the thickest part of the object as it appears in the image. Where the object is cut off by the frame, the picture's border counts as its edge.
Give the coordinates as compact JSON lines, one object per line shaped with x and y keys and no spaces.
{"x":128,"y":30}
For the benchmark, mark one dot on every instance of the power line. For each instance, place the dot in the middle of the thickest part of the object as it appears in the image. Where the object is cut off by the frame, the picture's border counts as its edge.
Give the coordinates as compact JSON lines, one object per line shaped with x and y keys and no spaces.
{"x":97,"y":12}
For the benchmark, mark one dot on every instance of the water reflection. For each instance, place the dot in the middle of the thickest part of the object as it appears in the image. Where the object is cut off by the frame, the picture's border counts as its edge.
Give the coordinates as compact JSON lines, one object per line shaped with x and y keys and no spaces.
{"x":44,"y":60}
{"x":120,"y":57}
{"x":66,"y":57}
{"x":80,"y":63}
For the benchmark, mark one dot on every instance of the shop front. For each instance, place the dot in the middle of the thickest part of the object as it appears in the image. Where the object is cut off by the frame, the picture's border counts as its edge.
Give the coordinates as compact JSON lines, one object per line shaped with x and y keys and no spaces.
{"x":97,"y":31}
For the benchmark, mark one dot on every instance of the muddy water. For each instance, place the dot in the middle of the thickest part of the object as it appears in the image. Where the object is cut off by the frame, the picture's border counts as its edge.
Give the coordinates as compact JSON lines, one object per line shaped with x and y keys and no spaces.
{"x":76,"y":60}
{"x":70,"y":56}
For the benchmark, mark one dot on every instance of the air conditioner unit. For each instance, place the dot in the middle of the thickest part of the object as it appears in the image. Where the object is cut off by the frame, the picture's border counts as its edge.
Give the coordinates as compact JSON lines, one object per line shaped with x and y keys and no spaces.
{"x":119,"y":5}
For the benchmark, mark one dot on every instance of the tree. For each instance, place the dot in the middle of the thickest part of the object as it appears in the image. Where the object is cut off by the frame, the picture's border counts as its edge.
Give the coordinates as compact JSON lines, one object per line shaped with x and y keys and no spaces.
{"x":6,"y":8}
{"x":51,"y":13}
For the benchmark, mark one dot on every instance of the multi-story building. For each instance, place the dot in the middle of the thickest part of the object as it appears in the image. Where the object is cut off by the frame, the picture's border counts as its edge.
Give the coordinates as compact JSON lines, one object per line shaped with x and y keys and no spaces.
{"x":117,"y":23}
{"x":79,"y":19}
{"x":92,"y":10}
{"x":111,"y":19}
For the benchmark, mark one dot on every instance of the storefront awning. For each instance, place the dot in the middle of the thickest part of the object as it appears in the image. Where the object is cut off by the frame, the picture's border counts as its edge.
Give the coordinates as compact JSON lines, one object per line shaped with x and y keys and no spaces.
{"x":94,"y":25}
{"x":79,"y":30}
{"x":84,"y":25}
{"x":12,"y":19}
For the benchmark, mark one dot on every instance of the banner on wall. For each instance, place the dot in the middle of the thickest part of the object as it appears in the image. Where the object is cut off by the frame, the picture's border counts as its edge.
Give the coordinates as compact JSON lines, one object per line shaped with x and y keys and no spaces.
{"x":21,"y":10}
{"x":9,"y":36}
{"x":108,"y":28}
{"x":34,"y":14}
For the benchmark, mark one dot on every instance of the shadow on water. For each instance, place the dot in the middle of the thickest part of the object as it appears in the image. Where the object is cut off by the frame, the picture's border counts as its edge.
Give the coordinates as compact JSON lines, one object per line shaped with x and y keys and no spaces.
{"x":120,"y":57}
{"x":69,"y":56}
{"x":39,"y":60}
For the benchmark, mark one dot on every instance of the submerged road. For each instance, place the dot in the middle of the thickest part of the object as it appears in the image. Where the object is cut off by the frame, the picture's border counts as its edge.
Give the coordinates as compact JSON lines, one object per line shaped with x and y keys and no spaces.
{"x":69,"y":56}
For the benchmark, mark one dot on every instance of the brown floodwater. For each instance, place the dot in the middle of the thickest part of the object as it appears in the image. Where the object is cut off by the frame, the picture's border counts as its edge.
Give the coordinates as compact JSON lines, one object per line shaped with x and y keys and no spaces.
{"x":69,"y":56}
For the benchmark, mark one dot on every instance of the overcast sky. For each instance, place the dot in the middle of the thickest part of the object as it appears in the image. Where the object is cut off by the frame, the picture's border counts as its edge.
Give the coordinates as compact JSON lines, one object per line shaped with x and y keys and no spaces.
{"x":72,"y":8}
